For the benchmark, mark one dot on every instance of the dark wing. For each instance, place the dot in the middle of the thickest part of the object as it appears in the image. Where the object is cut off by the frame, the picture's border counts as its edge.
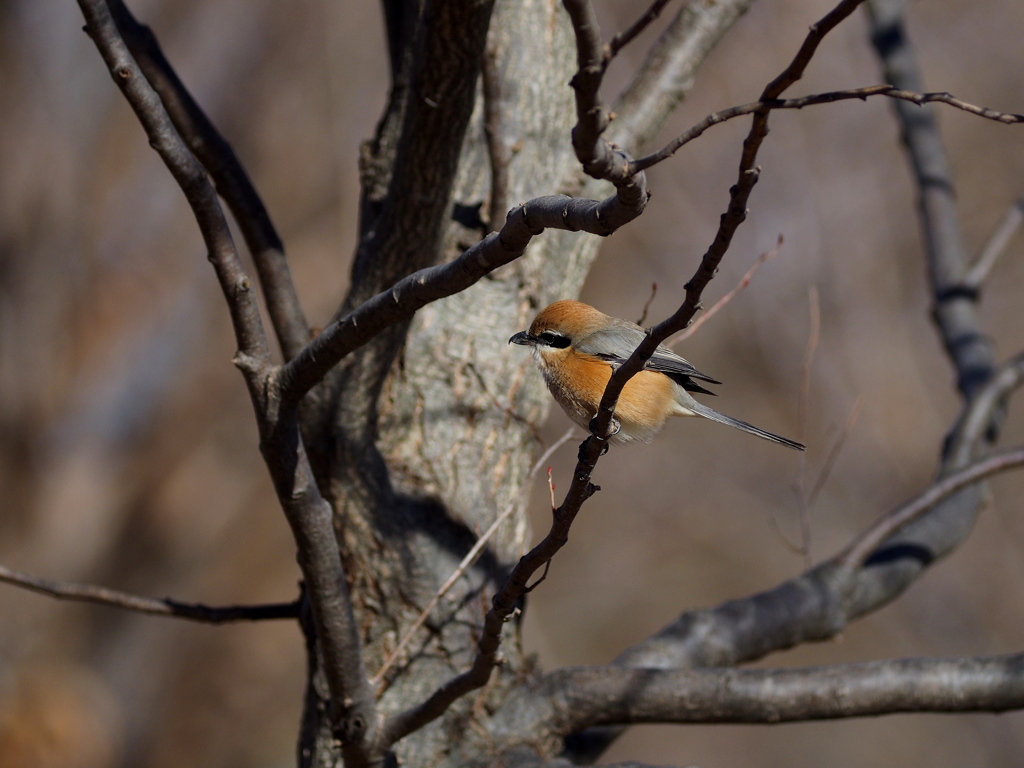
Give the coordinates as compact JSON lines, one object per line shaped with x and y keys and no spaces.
{"x":616,"y":343}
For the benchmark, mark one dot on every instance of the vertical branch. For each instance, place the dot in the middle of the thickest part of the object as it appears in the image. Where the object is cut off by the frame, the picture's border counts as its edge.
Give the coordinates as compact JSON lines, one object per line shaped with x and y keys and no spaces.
{"x":308,"y":513}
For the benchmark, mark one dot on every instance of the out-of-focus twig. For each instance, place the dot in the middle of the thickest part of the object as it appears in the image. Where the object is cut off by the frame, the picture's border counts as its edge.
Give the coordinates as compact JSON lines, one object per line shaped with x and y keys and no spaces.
{"x":466,"y":564}
{"x":720,"y":304}
{"x":627,"y":36}
{"x":766,"y":105}
{"x":112,"y":598}
{"x":813,"y":337}
{"x":859,"y":550}
{"x":995,"y":245}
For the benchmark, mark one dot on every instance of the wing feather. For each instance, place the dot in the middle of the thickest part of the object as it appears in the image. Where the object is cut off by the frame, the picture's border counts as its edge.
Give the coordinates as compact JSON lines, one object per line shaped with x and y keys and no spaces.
{"x":616,"y":343}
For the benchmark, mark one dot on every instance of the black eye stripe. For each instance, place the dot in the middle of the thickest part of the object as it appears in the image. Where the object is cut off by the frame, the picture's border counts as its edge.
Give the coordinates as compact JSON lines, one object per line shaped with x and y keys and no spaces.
{"x":551,"y":339}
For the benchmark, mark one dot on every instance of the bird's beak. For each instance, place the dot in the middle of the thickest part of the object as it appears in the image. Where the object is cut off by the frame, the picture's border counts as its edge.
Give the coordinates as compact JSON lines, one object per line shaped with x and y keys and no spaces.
{"x":523,"y":337}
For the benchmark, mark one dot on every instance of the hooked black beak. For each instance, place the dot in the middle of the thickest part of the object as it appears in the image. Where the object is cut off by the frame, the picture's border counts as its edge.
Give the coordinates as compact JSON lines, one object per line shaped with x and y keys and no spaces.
{"x":523,"y":337}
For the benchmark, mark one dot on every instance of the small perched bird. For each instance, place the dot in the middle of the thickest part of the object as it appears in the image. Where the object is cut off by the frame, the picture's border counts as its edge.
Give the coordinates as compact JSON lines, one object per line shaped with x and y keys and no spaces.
{"x":578,"y":347}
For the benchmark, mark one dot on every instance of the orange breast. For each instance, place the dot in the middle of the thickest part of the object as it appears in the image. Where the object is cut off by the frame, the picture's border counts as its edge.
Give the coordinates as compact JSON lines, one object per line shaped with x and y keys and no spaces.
{"x":578,"y":383}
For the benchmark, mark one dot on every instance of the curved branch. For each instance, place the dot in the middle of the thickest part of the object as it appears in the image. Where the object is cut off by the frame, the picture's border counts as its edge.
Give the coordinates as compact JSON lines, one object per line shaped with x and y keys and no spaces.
{"x":112,"y":598}
{"x":860,"y":548}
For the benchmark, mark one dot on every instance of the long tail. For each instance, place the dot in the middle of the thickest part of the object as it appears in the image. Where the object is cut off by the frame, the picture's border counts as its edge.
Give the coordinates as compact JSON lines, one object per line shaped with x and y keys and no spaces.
{"x":702,"y":410}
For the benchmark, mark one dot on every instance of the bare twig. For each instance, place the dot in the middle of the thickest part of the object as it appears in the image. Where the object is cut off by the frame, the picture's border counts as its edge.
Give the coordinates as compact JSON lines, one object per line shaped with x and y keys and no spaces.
{"x":458,"y":573}
{"x":624,"y":38}
{"x":720,"y":304}
{"x":833,"y":454}
{"x":467,"y":562}
{"x":766,"y":105}
{"x":670,"y":68}
{"x":813,"y":337}
{"x":112,"y":598}
{"x":859,"y":550}
{"x":995,"y":245}
{"x":647,"y":304}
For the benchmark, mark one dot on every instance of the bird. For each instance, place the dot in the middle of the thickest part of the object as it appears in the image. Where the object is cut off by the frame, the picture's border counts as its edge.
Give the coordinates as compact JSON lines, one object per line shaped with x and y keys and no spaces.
{"x":578,"y":347}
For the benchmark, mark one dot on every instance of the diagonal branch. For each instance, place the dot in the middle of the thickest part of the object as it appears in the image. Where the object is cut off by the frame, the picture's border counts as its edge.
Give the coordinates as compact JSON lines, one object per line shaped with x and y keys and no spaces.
{"x":627,"y":36}
{"x":409,"y":294}
{"x":860,"y":548}
{"x":996,"y":244}
{"x":670,"y":68}
{"x":89,"y":593}
{"x":189,"y":174}
{"x":233,"y":183}
{"x":735,"y":214}
{"x":955,"y":312}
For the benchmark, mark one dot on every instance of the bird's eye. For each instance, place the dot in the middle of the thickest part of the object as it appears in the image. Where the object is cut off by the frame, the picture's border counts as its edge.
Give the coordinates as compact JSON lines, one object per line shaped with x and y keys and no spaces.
{"x":552,"y":339}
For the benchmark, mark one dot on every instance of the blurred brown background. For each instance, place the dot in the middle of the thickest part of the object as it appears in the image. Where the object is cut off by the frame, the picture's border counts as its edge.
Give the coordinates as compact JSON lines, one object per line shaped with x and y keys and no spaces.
{"x":128,"y":454}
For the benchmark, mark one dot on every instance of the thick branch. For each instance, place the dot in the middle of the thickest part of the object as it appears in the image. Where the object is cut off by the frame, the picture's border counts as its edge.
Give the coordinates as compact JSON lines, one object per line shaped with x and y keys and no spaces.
{"x":946,"y":256}
{"x":89,"y":593}
{"x":587,"y":696}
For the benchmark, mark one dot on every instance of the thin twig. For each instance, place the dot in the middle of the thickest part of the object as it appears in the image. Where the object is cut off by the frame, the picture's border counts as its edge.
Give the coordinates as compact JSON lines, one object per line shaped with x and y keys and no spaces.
{"x":861,"y":547}
{"x":647,"y":304}
{"x":720,"y":304}
{"x":624,"y":38}
{"x":112,"y":598}
{"x":764,"y":106}
{"x":465,"y":565}
{"x":813,"y":337}
{"x":833,"y":454}
{"x":995,"y":245}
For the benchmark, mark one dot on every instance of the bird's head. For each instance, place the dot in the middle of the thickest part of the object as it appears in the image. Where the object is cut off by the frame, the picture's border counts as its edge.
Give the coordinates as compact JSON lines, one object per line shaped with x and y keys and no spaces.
{"x":556,"y":328}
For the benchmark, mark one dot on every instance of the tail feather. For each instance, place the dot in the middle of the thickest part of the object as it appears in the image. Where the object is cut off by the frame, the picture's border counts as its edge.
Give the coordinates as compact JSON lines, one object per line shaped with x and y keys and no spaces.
{"x":702,"y":410}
